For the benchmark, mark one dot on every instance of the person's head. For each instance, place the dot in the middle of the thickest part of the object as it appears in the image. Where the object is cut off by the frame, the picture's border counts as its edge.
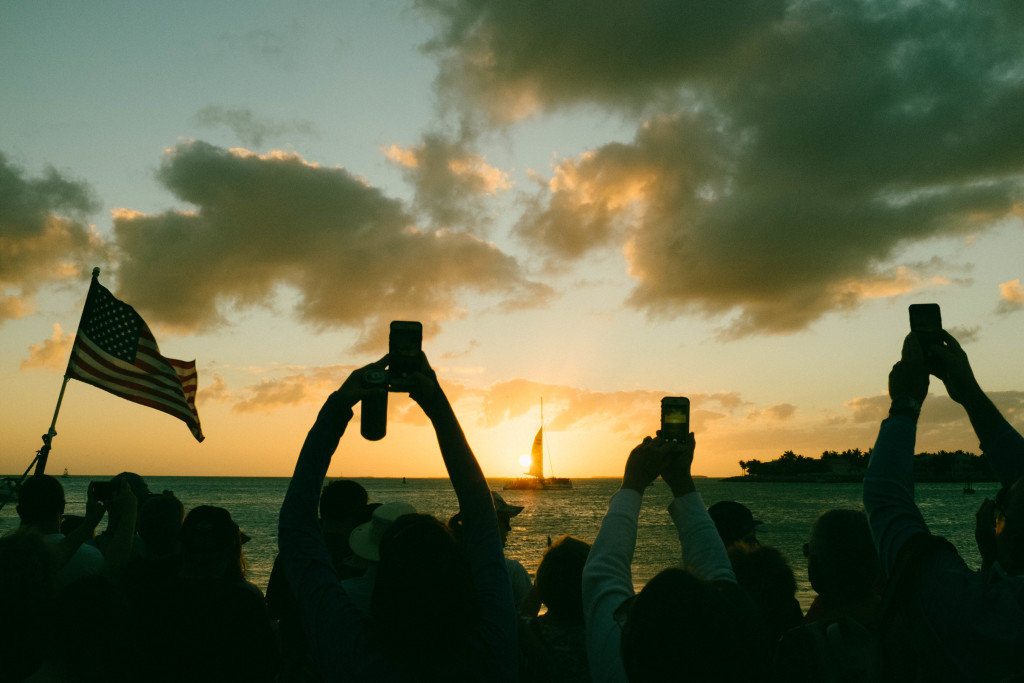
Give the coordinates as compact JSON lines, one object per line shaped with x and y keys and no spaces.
{"x":160,"y":520}
{"x":682,"y":628}
{"x":560,"y":577}
{"x":341,"y":504}
{"x":1009,"y":511}
{"x":422,"y":599}
{"x":735,"y":523}
{"x":505,"y":512}
{"x":211,"y":544}
{"x":365,"y":539}
{"x":41,"y":502}
{"x":137,"y":484}
{"x":842,"y":562}
{"x":768,"y":579}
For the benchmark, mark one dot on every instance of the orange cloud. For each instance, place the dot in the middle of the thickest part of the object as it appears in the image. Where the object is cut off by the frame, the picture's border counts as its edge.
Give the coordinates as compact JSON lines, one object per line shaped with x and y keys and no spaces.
{"x":52,"y":353}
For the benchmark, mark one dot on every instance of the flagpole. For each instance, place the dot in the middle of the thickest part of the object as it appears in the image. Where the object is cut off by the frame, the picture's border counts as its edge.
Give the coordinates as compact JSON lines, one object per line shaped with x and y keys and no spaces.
{"x":43,"y":453}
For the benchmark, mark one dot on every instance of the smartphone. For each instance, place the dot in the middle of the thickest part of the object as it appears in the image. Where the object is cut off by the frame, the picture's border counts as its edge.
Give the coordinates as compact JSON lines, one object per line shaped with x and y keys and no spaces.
{"x":404,"y":345}
{"x":926,"y":323}
{"x":675,"y":418}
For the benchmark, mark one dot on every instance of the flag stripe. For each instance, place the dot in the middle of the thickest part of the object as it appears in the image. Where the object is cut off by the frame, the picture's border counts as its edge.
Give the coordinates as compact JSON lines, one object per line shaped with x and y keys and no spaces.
{"x":114,"y":350}
{"x":138,"y":393}
{"x":118,"y":370}
{"x":97,"y":376}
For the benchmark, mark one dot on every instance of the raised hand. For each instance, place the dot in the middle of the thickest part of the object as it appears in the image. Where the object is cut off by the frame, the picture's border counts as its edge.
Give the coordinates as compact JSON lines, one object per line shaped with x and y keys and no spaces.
{"x":959,"y":377}
{"x":909,"y":376}
{"x":644,"y":464}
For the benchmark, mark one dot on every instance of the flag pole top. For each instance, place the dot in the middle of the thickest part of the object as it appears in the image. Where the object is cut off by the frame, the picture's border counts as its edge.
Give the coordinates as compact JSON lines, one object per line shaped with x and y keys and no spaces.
{"x":95,"y":272}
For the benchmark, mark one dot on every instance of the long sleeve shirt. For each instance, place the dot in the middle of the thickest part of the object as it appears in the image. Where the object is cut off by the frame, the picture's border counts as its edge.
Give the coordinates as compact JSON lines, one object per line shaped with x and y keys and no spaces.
{"x":333,"y":623}
{"x":608,"y":578}
{"x":977,"y":627}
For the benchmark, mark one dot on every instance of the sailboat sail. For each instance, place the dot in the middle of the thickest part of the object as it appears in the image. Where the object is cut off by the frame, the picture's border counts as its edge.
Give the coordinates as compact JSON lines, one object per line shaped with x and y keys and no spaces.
{"x":537,"y":455}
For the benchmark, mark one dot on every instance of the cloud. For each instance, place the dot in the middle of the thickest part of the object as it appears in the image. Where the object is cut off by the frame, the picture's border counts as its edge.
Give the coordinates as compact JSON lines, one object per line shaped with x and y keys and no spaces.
{"x":785,"y":153}
{"x":44,"y":235}
{"x":779,"y":412}
{"x":252,"y":131}
{"x":216,"y":391}
{"x":513,"y":59}
{"x":966,"y":334}
{"x":311,"y":386}
{"x":1011,"y":297}
{"x":449,"y":179}
{"x":52,"y":353}
{"x":352,"y":255}
{"x":570,"y":408}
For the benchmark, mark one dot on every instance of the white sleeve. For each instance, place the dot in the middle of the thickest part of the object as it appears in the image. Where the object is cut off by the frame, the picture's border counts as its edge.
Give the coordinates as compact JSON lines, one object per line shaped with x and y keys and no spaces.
{"x":607,"y":582}
{"x":704,"y":554}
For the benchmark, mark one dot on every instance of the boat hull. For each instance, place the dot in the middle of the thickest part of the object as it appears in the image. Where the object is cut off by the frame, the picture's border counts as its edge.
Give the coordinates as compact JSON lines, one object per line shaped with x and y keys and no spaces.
{"x":538,"y":483}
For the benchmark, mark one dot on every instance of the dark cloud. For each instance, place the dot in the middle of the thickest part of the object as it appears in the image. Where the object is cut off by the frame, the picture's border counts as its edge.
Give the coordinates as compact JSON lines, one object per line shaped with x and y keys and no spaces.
{"x":511,"y":58}
{"x":450,"y":181}
{"x":352,"y":254}
{"x":44,"y":234}
{"x":797,"y":150}
{"x":249,"y":128}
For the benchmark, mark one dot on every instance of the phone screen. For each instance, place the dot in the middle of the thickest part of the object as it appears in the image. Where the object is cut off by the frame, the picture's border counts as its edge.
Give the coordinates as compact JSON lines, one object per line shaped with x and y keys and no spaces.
{"x":404,"y":345}
{"x":675,"y":417}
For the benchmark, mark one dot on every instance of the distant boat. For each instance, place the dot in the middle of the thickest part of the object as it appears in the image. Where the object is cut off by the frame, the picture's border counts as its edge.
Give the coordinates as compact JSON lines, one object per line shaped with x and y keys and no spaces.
{"x":535,"y":479}
{"x":65,"y":475}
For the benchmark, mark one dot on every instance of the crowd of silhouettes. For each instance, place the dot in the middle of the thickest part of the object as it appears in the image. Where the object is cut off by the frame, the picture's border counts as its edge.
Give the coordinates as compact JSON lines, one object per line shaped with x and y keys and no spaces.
{"x":378,"y":591}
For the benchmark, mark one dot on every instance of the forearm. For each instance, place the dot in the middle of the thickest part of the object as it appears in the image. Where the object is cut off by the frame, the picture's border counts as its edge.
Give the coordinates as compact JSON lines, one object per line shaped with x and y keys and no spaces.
{"x":704,"y":554}
{"x":1002,"y":445}
{"x":119,"y":549}
{"x":497,"y":625}
{"x":68,"y":546}
{"x":608,"y":581}
{"x":299,"y":510}
{"x":463,"y":469}
{"x":889,"y":489}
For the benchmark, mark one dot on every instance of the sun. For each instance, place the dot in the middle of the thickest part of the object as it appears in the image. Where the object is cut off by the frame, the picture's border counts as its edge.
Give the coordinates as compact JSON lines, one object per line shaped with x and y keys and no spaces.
{"x":524,"y":460}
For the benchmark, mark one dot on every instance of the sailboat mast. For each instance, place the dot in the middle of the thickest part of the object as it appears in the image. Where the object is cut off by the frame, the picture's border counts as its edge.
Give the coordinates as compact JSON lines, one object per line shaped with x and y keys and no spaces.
{"x":551,"y":466}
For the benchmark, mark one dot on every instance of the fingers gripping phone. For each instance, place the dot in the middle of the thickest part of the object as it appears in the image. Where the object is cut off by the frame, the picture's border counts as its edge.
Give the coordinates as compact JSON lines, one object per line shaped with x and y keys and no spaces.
{"x":675,"y":418}
{"x":926,"y":323}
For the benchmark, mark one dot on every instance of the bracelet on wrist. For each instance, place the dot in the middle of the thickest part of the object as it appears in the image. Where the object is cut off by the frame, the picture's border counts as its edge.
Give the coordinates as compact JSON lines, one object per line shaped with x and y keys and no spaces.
{"x":905,"y":405}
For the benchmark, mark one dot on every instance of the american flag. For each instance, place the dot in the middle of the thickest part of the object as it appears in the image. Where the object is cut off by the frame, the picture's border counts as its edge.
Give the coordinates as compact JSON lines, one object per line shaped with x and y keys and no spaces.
{"x":115,"y":351}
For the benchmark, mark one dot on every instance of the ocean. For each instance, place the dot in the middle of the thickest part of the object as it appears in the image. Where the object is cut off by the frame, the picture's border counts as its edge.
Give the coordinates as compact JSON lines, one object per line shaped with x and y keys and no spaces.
{"x":786,"y":510}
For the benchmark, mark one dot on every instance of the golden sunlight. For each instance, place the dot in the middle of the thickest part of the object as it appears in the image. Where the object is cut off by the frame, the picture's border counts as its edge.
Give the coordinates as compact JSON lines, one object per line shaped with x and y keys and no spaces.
{"x":524,"y":460}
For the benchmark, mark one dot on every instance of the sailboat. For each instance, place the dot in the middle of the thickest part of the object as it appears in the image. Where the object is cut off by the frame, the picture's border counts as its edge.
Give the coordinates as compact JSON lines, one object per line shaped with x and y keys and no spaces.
{"x":534,"y":479}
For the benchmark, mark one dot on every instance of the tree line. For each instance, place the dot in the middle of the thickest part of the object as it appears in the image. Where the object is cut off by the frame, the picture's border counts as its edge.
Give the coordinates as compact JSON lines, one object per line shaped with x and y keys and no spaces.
{"x":852,"y":463}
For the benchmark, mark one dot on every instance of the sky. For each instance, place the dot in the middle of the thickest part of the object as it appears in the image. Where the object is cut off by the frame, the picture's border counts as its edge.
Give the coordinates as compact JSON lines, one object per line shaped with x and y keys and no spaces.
{"x":589,"y":205}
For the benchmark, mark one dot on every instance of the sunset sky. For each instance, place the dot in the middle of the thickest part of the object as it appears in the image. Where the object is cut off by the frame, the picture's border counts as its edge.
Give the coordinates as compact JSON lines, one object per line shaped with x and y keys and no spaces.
{"x":595,"y":203}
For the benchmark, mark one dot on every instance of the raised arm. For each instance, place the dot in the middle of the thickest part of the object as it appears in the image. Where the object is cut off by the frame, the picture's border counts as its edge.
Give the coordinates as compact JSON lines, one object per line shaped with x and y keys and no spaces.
{"x":889,"y":480}
{"x":1001,"y":443}
{"x":497,"y":615}
{"x":607,"y":576}
{"x":703,"y":552}
{"x":333,"y":624}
